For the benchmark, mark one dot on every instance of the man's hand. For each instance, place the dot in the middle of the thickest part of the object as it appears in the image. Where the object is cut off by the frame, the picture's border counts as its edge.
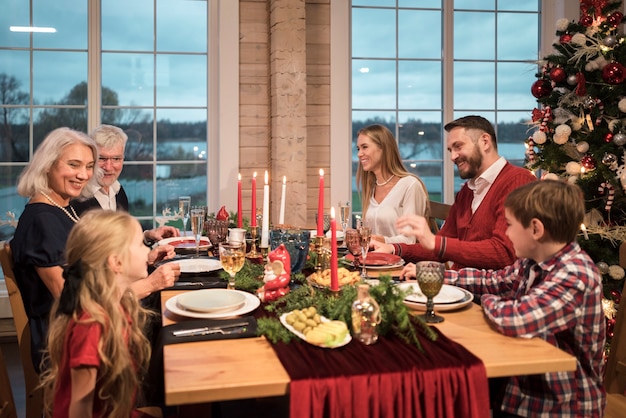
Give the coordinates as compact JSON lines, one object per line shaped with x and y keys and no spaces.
{"x":165,"y":276}
{"x":418,"y":227}
{"x":160,"y":253}
{"x":408,"y":272}
{"x":157,"y":234}
{"x":381,"y":247}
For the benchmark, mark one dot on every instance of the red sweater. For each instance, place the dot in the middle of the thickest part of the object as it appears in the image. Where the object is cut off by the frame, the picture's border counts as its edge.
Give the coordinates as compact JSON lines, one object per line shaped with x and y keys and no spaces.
{"x":489,"y":248}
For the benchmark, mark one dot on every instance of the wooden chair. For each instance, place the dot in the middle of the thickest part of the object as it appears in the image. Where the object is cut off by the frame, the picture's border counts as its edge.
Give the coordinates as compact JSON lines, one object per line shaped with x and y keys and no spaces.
{"x":438,"y":212}
{"x":34,"y":393}
{"x":7,"y":403}
{"x":615,"y":374}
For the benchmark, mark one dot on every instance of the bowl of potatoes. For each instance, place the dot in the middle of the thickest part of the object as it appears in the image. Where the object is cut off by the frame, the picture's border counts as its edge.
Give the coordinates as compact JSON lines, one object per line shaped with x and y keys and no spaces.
{"x":345,"y":278}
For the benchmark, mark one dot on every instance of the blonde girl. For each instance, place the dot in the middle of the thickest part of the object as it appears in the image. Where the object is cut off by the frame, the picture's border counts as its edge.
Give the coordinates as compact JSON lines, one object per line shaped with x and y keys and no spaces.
{"x":97,"y":352}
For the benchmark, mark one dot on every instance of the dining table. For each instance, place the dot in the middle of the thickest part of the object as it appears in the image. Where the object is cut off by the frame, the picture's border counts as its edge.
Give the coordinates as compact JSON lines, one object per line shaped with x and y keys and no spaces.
{"x":230,"y":369}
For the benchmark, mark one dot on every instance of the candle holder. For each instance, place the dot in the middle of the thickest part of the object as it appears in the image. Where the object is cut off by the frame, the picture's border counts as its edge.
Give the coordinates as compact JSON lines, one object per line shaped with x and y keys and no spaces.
{"x":264,"y":252}
{"x":253,"y":253}
{"x":318,"y":242}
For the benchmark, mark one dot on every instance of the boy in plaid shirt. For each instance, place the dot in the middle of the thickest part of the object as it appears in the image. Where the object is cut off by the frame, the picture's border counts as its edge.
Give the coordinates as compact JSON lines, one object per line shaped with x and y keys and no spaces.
{"x":552,"y":291}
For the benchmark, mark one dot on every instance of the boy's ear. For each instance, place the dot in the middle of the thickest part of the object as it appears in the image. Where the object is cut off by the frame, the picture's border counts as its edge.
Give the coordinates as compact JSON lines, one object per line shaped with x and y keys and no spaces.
{"x":537,"y":228}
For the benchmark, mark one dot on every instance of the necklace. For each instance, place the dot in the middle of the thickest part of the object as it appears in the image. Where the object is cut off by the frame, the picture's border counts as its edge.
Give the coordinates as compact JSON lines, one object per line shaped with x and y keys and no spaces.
{"x":74,"y":218}
{"x":386,"y":181}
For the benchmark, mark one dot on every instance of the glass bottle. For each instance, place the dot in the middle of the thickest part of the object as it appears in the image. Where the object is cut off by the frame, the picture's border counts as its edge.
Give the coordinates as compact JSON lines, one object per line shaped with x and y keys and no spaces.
{"x":365,"y":316}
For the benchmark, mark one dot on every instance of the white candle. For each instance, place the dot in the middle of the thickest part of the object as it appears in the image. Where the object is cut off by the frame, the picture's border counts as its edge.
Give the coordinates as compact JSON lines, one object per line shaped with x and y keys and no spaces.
{"x":281,"y":218}
{"x":265,"y":225}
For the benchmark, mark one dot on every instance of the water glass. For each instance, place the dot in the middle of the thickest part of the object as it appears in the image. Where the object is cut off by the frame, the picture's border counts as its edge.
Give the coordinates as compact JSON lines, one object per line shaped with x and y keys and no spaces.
{"x":197,"y":223}
{"x":184,"y":206}
{"x":429,"y":276}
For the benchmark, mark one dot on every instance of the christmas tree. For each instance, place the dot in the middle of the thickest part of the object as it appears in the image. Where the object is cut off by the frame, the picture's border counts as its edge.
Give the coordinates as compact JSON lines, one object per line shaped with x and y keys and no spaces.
{"x":579,"y":131}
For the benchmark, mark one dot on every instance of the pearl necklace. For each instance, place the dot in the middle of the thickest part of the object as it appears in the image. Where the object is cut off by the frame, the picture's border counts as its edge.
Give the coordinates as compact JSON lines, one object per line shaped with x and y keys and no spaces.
{"x":385,"y":182}
{"x":74,"y":218}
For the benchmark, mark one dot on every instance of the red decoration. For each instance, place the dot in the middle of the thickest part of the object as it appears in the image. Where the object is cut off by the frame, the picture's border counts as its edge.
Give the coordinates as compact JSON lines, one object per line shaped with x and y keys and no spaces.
{"x":615,"y":18}
{"x":586,"y":20}
{"x":565,"y":38}
{"x":222,"y":214}
{"x":557,"y":74}
{"x":616,"y":296}
{"x":588,"y":162}
{"x":581,"y":86}
{"x":541,"y":88}
{"x":592,"y":6}
{"x":614,"y":73}
{"x":608,"y":137}
{"x":610,"y":327}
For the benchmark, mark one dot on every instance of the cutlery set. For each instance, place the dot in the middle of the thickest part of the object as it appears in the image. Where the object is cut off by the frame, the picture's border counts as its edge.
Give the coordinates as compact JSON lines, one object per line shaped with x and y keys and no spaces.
{"x":234,"y":328}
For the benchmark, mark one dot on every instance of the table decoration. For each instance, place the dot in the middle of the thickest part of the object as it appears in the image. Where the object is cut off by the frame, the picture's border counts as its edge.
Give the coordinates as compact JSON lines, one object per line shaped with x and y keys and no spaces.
{"x":253,"y":211}
{"x":334,"y":279}
{"x":281,"y":217}
{"x":265,"y":222}
{"x":239,"y":203}
{"x":276,"y":275}
{"x":320,"y":206}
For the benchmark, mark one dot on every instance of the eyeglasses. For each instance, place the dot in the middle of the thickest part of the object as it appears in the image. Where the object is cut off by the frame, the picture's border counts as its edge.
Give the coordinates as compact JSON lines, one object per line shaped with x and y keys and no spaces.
{"x":113,"y":160}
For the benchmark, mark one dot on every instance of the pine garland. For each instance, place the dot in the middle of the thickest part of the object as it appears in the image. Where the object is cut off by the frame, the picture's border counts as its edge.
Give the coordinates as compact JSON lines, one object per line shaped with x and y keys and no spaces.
{"x":396,"y":317}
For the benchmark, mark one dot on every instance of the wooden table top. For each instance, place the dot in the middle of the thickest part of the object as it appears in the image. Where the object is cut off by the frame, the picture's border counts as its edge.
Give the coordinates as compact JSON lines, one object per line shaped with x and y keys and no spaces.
{"x":248,"y":368}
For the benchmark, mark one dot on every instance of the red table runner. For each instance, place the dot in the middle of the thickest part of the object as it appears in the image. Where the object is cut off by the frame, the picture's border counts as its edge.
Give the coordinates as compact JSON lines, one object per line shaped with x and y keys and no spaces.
{"x":387,"y":379}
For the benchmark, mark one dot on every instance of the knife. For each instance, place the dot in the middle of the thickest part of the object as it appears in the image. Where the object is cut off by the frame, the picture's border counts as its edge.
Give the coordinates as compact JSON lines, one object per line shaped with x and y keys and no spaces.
{"x":208,"y":330}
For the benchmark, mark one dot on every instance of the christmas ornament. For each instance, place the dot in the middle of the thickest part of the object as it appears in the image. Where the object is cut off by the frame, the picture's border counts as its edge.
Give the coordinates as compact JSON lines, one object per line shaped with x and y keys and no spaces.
{"x":615,"y":18}
{"x":614,"y":73}
{"x":572,"y":168}
{"x":582,"y":147}
{"x":565,"y":38}
{"x":586,"y":20}
{"x":608,"y":137}
{"x":558,"y":74}
{"x":610,"y":160}
{"x":617,"y":273}
{"x":610,"y":41}
{"x":541,"y":88}
{"x":616,"y":295}
{"x":610,"y":327}
{"x":603,"y":267}
{"x":608,"y":187}
{"x":608,"y":307}
{"x":572,"y":80}
{"x":588,"y":162}
{"x":619,"y":139}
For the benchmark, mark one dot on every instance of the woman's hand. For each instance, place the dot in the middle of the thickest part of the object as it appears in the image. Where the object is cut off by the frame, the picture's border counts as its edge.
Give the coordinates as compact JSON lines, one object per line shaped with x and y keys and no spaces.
{"x":157,"y":234}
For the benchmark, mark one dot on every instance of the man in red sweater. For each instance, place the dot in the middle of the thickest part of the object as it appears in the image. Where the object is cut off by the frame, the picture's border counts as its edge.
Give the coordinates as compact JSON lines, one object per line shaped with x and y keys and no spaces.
{"x":473,"y":234}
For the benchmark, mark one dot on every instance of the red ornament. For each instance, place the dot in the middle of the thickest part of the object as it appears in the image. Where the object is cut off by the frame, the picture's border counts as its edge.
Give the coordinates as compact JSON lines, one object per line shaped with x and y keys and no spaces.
{"x":608,"y":137}
{"x":557,"y":74}
{"x":588,"y":162}
{"x":614,"y":73}
{"x":541,"y":88}
{"x":610,"y":327}
{"x":565,"y":38}
{"x":615,"y":18}
{"x":616,"y":296}
{"x":586,"y":20}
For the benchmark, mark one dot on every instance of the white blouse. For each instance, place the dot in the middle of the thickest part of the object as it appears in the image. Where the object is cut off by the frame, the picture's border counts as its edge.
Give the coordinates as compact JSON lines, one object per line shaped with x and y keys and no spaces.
{"x":407,"y":197}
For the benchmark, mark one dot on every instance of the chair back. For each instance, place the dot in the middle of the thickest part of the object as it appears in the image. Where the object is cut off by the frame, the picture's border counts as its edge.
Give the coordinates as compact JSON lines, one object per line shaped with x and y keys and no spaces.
{"x":438,"y":212}
{"x":34,"y":393}
{"x":7,"y":403}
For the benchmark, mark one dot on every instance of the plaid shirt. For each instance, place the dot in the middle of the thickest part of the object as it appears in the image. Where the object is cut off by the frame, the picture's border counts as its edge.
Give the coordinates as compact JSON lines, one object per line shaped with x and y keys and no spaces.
{"x":558,"y":300}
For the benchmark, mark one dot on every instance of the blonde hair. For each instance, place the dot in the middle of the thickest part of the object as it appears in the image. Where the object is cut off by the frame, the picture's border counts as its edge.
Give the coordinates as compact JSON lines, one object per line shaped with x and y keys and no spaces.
{"x":34,"y":177}
{"x":559,"y":206}
{"x":108,"y":136}
{"x":124,"y":350}
{"x":391,"y":164}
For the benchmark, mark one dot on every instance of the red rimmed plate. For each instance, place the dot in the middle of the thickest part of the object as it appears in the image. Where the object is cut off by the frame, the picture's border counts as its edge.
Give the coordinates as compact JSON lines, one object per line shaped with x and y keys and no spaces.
{"x":375,"y":259}
{"x":186,"y":243}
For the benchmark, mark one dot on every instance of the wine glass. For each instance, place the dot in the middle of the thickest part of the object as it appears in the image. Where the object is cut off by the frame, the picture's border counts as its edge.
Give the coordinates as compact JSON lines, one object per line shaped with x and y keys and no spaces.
{"x":197,"y":222}
{"x":430,"y":279}
{"x":344,"y":213}
{"x":184,"y":205}
{"x":366,"y":235}
{"x":232,"y":257}
{"x":352,"y":240}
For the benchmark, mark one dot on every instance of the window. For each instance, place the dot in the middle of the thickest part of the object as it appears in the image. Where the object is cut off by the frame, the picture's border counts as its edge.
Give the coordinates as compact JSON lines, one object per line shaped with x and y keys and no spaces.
{"x":142,"y":65}
{"x":410,"y":77}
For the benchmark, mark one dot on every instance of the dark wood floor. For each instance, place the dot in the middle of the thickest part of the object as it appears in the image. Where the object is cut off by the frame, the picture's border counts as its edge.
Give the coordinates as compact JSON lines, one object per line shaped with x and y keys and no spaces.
{"x":261,"y":408}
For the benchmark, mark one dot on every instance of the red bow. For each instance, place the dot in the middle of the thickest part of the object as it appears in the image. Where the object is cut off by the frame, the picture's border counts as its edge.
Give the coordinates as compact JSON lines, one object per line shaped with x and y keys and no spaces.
{"x":597,"y":5}
{"x":581,"y":88}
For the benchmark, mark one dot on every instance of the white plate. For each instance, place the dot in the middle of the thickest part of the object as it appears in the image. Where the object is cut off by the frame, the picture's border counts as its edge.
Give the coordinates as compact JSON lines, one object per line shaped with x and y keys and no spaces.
{"x":198,"y":265}
{"x":186,"y":243}
{"x":389,"y":267}
{"x":212,"y":300}
{"x":252,"y":302}
{"x":283,"y":320}
{"x":418,"y":300}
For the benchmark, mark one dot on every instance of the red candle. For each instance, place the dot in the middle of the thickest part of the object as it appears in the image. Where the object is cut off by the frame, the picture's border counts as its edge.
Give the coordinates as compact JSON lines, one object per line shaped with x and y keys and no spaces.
{"x":253,"y":216}
{"x":320,"y":206}
{"x":239,"y":221}
{"x":334,"y":274}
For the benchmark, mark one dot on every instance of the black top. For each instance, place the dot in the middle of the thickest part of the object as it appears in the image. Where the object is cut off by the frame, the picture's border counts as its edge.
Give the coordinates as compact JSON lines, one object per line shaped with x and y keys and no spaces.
{"x":120,"y":198}
{"x":39,"y":241}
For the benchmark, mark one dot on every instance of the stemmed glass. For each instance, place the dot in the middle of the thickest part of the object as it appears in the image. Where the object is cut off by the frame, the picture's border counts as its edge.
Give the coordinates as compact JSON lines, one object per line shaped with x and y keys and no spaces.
{"x":430,"y":279}
{"x":197,"y":222}
{"x":232,"y":257}
{"x":344,"y":213}
{"x":366,"y":236}
{"x":352,"y":239}
{"x":184,"y":205}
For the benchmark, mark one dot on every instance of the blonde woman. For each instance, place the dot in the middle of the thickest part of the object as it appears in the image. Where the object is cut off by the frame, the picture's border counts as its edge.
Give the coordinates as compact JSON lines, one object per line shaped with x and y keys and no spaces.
{"x":388,"y":190}
{"x":97,"y":351}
